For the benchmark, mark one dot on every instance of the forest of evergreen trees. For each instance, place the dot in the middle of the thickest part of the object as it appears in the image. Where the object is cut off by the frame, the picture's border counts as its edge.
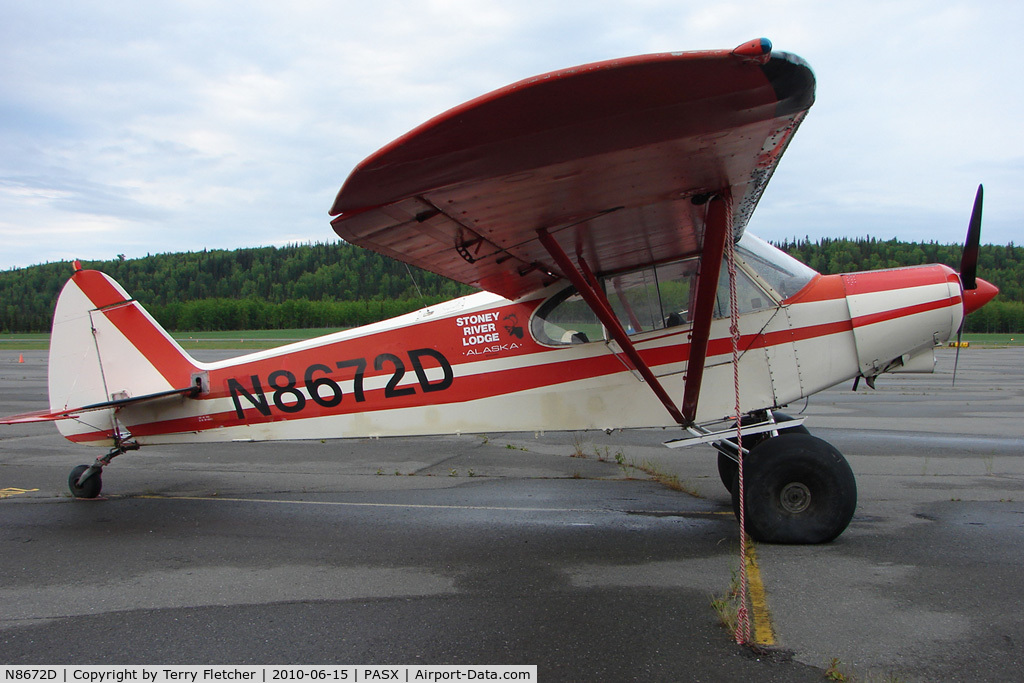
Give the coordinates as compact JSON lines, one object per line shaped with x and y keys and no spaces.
{"x":338,"y":285}
{"x":313,"y":285}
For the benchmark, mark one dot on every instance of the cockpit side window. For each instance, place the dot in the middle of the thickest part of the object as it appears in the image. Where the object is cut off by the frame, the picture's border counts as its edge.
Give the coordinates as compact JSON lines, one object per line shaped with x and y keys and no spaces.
{"x":644,"y":300}
{"x":653,"y":298}
{"x":749,"y":297}
{"x":566,"y":318}
{"x":677,"y":286}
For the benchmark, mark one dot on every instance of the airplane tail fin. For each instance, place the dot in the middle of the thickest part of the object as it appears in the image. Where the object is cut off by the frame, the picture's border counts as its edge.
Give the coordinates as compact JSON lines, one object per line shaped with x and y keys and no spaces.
{"x":105,"y":348}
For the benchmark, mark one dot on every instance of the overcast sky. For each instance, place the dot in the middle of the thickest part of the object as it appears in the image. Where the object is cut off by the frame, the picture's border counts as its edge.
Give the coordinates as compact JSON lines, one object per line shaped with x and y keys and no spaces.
{"x":146,"y":127}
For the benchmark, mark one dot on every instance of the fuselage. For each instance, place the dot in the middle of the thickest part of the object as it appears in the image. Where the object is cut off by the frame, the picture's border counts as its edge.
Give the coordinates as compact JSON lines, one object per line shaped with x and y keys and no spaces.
{"x":482,"y":363}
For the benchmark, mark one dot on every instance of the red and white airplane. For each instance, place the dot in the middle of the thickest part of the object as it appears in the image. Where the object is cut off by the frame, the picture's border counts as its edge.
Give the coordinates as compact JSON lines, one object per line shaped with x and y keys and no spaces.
{"x":597,"y":208}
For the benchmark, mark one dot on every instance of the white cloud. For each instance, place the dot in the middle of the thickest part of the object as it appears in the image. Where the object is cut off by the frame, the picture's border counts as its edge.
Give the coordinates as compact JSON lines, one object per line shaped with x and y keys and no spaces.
{"x":171,"y":126}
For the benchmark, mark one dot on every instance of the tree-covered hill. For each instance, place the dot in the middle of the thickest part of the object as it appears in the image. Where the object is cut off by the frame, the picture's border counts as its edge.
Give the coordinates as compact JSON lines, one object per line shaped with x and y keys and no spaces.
{"x":338,"y":285}
{"x":317,"y":285}
{"x":1001,"y":265}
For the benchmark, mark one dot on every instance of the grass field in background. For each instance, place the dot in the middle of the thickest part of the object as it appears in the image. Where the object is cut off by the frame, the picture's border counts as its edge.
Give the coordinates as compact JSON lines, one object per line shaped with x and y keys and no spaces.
{"x":24,"y":342}
{"x":995,"y":339}
{"x":246,"y":339}
{"x":267,"y":339}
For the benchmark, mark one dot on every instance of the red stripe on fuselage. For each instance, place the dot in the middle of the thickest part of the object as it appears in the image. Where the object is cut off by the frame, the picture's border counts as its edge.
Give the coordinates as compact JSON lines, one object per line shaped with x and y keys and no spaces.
{"x":445,"y":336}
{"x":464,"y":388}
{"x":894,"y":314}
{"x":894,"y":280}
{"x":467,"y":388}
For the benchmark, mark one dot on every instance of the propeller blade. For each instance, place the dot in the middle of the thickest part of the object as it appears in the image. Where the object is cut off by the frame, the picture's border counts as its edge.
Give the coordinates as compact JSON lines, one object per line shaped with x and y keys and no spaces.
{"x":969,"y":259}
{"x":976,"y":293}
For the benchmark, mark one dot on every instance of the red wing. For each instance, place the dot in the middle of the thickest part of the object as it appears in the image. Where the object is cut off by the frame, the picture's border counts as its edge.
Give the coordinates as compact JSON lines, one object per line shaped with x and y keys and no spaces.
{"x":614,"y":159}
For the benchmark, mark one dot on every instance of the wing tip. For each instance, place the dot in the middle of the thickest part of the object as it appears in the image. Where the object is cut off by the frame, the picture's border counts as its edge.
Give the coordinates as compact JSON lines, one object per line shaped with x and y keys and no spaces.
{"x":758,"y":49}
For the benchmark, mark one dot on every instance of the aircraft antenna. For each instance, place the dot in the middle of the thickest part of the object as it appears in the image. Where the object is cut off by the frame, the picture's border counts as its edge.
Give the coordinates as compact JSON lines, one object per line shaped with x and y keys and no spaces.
{"x":414,"y":283}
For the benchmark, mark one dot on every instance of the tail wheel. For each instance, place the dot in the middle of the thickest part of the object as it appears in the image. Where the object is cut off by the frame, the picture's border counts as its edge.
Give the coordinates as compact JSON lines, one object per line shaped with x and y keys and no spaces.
{"x":727,"y":467}
{"x":798,"y":489}
{"x":90,"y":488}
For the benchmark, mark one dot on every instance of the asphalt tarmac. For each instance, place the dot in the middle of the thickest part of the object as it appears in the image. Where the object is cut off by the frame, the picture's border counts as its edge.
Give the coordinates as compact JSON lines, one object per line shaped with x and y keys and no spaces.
{"x":506,"y":548}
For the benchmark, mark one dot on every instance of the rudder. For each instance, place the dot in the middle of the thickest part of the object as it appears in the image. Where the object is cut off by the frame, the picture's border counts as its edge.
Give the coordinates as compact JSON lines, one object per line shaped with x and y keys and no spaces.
{"x":105,"y":346}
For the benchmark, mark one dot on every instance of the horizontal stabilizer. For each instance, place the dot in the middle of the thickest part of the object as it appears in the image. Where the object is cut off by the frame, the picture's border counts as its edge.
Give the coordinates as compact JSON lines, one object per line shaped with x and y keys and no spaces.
{"x":69,"y":413}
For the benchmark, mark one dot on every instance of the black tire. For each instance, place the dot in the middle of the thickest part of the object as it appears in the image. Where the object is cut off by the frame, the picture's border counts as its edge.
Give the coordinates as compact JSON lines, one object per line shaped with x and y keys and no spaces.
{"x":727,"y":470}
{"x":727,"y":467}
{"x":798,"y":489}
{"x":90,"y":488}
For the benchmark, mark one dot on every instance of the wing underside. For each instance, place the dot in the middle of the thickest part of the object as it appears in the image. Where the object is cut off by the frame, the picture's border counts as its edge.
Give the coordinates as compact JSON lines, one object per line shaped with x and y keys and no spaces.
{"x":615,"y":160}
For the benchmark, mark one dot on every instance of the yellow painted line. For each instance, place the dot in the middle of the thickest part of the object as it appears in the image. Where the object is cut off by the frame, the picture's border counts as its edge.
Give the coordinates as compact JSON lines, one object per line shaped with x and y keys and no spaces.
{"x":764,"y":634}
{"x":8,"y":492}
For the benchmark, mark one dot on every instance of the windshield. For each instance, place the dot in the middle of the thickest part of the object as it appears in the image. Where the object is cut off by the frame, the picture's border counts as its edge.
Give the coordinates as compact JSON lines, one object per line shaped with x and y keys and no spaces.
{"x":779,"y":270}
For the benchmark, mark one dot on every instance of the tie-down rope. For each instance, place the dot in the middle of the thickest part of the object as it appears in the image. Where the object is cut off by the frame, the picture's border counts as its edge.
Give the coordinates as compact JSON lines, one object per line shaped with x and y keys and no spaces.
{"x":742,"y":615}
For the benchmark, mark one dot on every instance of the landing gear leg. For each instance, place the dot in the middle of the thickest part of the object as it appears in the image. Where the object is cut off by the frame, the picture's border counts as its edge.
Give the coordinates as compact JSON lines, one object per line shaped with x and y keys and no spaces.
{"x":798,"y":489}
{"x":86,"y":481}
{"x":728,"y":464}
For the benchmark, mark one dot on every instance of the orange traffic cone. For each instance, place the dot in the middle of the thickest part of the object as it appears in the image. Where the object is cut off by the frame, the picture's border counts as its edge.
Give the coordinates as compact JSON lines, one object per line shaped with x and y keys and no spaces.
{"x":21,"y":358}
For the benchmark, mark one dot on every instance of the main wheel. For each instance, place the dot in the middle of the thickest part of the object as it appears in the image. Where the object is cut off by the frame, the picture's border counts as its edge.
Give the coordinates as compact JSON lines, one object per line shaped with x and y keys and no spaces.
{"x":727,"y":467}
{"x":90,"y":488}
{"x":798,"y":489}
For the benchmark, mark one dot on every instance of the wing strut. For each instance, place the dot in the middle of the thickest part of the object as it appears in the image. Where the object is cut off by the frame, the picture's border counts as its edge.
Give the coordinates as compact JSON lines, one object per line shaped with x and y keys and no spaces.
{"x":717,"y":229}
{"x":586,"y":284}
